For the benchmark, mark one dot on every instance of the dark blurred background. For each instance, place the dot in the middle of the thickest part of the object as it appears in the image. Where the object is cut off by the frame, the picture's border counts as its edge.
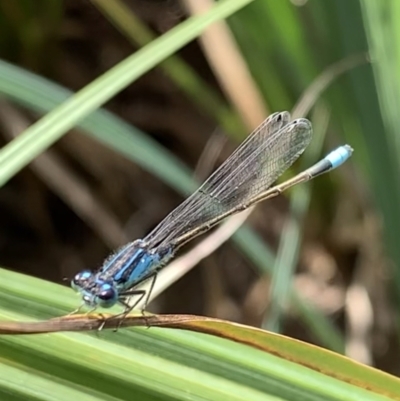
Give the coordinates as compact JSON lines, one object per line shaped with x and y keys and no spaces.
{"x":346,"y":267}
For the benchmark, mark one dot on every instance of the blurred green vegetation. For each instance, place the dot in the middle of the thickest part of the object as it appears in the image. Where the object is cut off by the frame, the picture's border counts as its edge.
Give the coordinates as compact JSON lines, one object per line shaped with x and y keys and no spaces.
{"x":331,"y":245}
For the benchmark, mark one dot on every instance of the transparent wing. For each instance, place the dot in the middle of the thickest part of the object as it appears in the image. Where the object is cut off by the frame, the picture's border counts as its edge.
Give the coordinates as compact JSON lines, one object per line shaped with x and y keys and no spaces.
{"x":249,"y":171}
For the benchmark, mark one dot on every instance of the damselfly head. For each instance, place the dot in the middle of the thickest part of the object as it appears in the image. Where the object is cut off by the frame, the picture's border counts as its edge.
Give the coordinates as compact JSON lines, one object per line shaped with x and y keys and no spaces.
{"x":95,"y":292}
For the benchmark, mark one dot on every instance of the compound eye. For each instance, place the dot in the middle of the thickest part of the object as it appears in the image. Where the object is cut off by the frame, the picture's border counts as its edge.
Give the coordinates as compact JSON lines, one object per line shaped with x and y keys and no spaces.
{"x":107,"y":296}
{"x":80,"y":280}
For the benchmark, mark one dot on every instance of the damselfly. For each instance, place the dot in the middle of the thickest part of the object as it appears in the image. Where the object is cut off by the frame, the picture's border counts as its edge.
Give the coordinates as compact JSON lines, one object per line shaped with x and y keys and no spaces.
{"x":243,"y":180}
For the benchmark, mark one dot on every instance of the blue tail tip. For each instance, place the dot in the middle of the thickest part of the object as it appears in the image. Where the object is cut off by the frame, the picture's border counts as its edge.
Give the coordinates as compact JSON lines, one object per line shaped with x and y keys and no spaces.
{"x":338,"y":156}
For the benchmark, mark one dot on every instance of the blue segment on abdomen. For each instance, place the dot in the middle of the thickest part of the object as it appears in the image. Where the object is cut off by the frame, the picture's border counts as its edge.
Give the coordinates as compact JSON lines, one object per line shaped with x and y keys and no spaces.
{"x":339,"y":155}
